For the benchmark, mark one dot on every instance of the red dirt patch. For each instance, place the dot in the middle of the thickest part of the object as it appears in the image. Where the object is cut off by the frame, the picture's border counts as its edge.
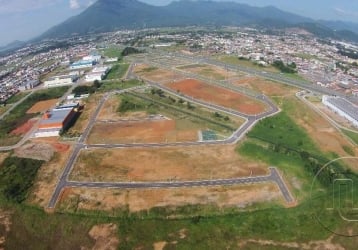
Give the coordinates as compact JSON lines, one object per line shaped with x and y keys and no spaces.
{"x":24,"y":128}
{"x":59,"y":147}
{"x":42,"y":106}
{"x":140,"y":131}
{"x":217,"y":95}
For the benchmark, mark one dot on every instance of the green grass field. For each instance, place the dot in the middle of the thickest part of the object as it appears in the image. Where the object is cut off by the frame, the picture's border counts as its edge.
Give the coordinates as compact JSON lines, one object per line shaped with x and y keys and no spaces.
{"x":113,"y":52}
{"x":17,"y":97}
{"x":118,"y":85}
{"x":117,"y":71}
{"x":352,"y":135}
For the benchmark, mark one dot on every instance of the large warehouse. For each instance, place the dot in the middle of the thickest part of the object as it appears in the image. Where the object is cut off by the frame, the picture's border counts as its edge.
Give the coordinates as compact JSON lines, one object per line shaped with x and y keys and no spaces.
{"x":342,"y":107}
{"x":56,"y":120}
{"x":57,"y":81}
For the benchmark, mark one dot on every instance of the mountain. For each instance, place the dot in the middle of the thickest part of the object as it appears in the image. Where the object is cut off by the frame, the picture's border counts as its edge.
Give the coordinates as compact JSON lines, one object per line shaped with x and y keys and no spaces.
{"x":340,"y":25}
{"x":111,"y":15}
{"x":12,"y":46}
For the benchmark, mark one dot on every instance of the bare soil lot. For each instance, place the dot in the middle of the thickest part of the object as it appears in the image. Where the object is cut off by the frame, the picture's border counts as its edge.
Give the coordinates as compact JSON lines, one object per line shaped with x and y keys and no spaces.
{"x":24,"y":128}
{"x":217,"y":95}
{"x":47,"y":176}
{"x":155,"y":74}
{"x":90,"y":105}
{"x":163,"y":164}
{"x":144,"y":199}
{"x":209,"y":71}
{"x":266,"y":87}
{"x":42,"y":106}
{"x":320,"y":130}
{"x":142,"y":131}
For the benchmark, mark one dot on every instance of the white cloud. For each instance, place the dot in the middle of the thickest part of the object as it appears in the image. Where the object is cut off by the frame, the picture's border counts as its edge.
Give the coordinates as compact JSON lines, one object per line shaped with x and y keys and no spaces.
{"x":74,"y":4}
{"x":342,"y":12}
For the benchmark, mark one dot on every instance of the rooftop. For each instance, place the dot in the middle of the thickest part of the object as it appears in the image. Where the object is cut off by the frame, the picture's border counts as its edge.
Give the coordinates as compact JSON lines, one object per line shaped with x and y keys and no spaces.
{"x":56,"y":116}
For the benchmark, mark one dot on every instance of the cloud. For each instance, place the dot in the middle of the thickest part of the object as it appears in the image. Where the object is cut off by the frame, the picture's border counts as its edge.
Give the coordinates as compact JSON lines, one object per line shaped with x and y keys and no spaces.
{"x":345,"y":13}
{"x":74,"y":4}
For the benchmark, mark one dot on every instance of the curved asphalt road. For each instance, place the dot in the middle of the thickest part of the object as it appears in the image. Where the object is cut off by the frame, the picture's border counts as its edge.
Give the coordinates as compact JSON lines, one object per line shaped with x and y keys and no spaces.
{"x":250,"y":121}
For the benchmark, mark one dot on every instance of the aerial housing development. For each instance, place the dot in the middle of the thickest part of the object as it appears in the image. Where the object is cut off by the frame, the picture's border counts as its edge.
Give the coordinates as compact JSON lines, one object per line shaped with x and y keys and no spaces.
{"x":208,"y":136}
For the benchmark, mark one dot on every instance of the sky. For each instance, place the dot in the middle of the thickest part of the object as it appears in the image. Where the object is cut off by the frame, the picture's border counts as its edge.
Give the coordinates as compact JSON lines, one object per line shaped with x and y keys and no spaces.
{"x":25,"y":19}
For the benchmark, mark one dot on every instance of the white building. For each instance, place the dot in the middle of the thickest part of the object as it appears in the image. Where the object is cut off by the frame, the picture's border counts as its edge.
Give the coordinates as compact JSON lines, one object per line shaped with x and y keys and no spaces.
{"x":97,"y":73}
{"x":342,"y":107}
{"x":90,"y":77}
{"x":59,"y":81}
{"x":93,"y":58}
{"x":111,"y":59}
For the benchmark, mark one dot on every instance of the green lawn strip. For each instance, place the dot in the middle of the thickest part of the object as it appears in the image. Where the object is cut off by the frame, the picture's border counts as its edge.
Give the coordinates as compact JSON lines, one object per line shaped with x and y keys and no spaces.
{"x":16,"y":98}
{"x":351,"y":134}
{"x":113,"y":52}
{"x":118,"y":85}
{"x":117,"y":71}
{"x":220,"y":232}
{"x":32,"y":228}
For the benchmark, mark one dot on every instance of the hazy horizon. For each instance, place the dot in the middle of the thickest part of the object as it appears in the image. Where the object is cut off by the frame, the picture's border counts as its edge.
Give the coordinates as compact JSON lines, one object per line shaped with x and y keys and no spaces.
{"x":26,"y":19}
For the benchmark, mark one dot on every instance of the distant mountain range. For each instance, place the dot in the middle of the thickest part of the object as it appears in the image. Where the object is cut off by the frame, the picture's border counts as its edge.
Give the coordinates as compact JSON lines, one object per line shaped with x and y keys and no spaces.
{"x":111,"y":15}
{"x":13,"y":45}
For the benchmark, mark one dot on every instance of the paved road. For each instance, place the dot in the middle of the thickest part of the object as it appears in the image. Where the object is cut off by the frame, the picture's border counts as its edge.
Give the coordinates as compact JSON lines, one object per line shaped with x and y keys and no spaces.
{"x":274,"y":176}
{"x":14,"y":105}
{"x":79,"y":146}
{"x":237,"y":135}
{"x":302,"y":84}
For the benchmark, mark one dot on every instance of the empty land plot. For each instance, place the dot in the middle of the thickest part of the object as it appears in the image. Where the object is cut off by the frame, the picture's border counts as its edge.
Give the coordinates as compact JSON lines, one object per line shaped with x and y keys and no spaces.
{"x":266,"y":87}
{"x":234,"y":60}
{"x":219,"y":96}
{"x":109,"y":110}
{"x":319,"y":129}
{"x":146,"y":114}
{"x":142,"y":131}
{"x":208,"y":71}
{"x":42,"y":106}
{"x":144,"y":199}
{"x":47,"y":176}
{"x":155,"y":74}
{"x":163,"y":164}
{"x":90,"y":105}
{"x":24,"y":128}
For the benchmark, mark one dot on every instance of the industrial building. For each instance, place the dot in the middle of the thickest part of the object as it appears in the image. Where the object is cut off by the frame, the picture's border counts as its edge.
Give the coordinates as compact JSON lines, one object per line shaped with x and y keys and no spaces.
{"x":82,"y":64}
{"x":342,"y":107}
{"x":56,"y":120}
{"x":97,"y":73}
{"x":56,"y":81}
{"x":29,"y":85}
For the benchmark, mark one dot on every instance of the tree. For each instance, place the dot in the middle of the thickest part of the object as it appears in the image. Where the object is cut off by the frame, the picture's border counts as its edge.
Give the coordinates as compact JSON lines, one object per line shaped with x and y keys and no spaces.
{"x":97,"y":84}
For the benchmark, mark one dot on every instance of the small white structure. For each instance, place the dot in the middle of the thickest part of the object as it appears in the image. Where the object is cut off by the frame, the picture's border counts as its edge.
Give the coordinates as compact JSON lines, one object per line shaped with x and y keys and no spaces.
{"x":342,"y":107}
{"x":111,"y":59}
{"x":59,"y":81}
{"x":97,"y":73}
